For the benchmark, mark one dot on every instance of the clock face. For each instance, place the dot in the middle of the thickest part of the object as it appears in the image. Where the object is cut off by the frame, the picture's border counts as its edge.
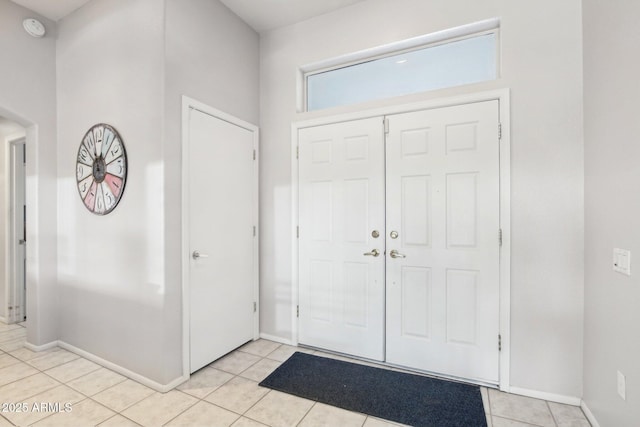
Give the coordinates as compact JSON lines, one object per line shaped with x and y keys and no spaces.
{"x":101,"y":169}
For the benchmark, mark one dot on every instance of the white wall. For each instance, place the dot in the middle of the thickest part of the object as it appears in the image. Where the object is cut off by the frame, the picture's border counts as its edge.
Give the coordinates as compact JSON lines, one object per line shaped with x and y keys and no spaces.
{"x":111,"y":268}
{"x":211,"y":56}
{"x":612,"y":209}
{"x":128,"y":63}
{"x":28,"y":96}
{"x":541,"y":64}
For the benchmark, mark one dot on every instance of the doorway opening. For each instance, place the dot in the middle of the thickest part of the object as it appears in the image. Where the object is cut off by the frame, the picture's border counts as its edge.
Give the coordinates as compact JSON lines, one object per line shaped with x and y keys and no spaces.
{"x":13,"y":217}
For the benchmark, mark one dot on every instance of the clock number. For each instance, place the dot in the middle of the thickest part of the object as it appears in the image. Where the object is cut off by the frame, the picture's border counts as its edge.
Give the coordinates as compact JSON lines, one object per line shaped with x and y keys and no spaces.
{"x":84,"y":155}
{"x":98,"y":132}
{"x":103,"y":148}
{"x":90,"y":144}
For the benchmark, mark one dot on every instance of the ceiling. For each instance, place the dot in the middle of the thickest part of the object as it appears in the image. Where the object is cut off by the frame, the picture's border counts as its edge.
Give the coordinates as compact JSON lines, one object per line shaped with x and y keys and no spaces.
{"x":52,"y":9}
{"x":262,"y":15}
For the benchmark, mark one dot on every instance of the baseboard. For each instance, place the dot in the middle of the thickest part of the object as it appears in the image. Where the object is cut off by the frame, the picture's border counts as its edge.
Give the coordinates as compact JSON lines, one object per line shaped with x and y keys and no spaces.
{"x":162,"y":388}
{"x":275,"y":339}
{"x":589,"y":414}
{"x":39,"y":348}
{"x":558,"y":398}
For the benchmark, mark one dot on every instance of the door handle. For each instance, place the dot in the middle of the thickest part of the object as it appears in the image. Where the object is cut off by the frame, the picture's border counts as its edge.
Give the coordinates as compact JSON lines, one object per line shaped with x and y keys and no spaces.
{"x":197,"y":254}
{"x":396,"y":254}
{"x":373,"y":253}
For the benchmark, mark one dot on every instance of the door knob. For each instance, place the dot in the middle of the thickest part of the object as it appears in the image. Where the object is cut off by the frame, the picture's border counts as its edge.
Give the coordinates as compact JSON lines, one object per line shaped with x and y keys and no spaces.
{"x":373,"y":253}
{"x":396,"y":254}
{"x":197,"y":254}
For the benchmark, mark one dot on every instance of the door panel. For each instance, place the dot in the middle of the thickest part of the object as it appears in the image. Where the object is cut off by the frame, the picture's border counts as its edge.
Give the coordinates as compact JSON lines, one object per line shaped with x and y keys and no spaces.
{"x":341,"y":201}
{"x":221,"y":198}
{"x":442,"y":198}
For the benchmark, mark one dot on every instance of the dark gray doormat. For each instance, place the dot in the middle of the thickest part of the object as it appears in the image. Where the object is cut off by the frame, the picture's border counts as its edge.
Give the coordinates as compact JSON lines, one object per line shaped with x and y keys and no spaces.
{"x":405,"y":398}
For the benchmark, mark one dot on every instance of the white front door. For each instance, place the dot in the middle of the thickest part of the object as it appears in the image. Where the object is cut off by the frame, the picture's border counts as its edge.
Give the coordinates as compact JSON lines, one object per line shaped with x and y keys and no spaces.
{"x":442,"y":287}
{"x":341,"y":237}
{"x":221,"y":206}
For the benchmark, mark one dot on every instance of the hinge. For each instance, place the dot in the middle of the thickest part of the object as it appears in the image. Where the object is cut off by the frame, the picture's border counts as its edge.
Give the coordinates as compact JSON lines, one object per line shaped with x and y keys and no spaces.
{"x":255,"y":306}
{"x":297,"y":311}
{"x":297,"y":152}
{"x":499,"y":342}
{"x":298,"y":231}
{"x":499,"y":130}
{"x":254,"y":154}
{"x":386,"y":125}
{"x":254,"y":231}
{"x":500,"y":236}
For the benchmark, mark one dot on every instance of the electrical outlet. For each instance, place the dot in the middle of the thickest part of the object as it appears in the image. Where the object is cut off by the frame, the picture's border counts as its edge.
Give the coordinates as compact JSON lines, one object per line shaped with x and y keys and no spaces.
{"x":622,"y":386}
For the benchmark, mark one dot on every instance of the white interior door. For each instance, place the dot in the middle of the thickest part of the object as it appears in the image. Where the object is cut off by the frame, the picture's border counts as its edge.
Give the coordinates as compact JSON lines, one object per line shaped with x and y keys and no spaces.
{"x":17,"y":309}
{"x":341,"y":210}
{"x":221,"y":205}
{"x":443,"y":202}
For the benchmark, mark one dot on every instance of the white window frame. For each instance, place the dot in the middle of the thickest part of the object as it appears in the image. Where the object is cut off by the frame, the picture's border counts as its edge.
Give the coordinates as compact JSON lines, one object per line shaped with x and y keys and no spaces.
{"x":488,"y":26}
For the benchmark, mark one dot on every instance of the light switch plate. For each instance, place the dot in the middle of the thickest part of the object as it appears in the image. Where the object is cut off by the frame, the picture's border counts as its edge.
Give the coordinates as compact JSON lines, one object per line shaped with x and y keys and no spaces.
{"x":622,"y":261}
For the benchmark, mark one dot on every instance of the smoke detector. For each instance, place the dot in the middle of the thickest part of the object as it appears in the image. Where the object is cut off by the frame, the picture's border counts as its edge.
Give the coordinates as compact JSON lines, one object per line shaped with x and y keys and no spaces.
{"x":33,"y":27}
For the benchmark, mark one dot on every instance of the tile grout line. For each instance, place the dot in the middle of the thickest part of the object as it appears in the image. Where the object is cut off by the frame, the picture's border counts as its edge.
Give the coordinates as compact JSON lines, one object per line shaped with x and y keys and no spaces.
{"x":116,"y":413}
{"x":306,"y":413}
{"x":202,"y":399}
{"x":551,"y":412}
{"x":6,"y":419}
{"x":489,"y":407}
{"x":519,"y":421}
{"x":185,"y":410}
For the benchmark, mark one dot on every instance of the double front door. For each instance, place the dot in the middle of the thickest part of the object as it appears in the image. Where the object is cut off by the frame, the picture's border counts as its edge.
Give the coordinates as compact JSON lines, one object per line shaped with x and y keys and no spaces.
{"x":399,"y":239}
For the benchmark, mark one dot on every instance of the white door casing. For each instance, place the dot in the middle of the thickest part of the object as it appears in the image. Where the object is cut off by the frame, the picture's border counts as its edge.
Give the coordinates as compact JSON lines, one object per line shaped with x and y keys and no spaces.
{"x":221,"y":239}
{"x":470,"y":128}
{"x":443,"y":201}
{"x":341,"y":193}
{"x":16,"y":290}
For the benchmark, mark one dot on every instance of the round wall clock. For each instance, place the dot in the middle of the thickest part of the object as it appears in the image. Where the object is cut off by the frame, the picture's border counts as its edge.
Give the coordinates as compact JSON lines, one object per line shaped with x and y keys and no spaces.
{"x":101,"y":169}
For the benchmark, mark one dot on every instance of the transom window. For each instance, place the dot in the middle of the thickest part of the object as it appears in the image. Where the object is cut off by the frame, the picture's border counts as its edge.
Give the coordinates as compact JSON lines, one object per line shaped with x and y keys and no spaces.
{"x":447,"y":63}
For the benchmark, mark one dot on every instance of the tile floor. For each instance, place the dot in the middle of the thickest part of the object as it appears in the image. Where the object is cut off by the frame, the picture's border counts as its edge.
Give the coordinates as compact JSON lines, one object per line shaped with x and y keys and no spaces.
{"x":226,"y":393}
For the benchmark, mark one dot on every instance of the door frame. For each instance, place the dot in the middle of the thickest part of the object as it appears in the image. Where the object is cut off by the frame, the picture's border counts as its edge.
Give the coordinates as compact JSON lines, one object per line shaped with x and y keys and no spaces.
{"x":11,"y":250}
{"x":187,"y":105}
{"x":503,"y":98}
